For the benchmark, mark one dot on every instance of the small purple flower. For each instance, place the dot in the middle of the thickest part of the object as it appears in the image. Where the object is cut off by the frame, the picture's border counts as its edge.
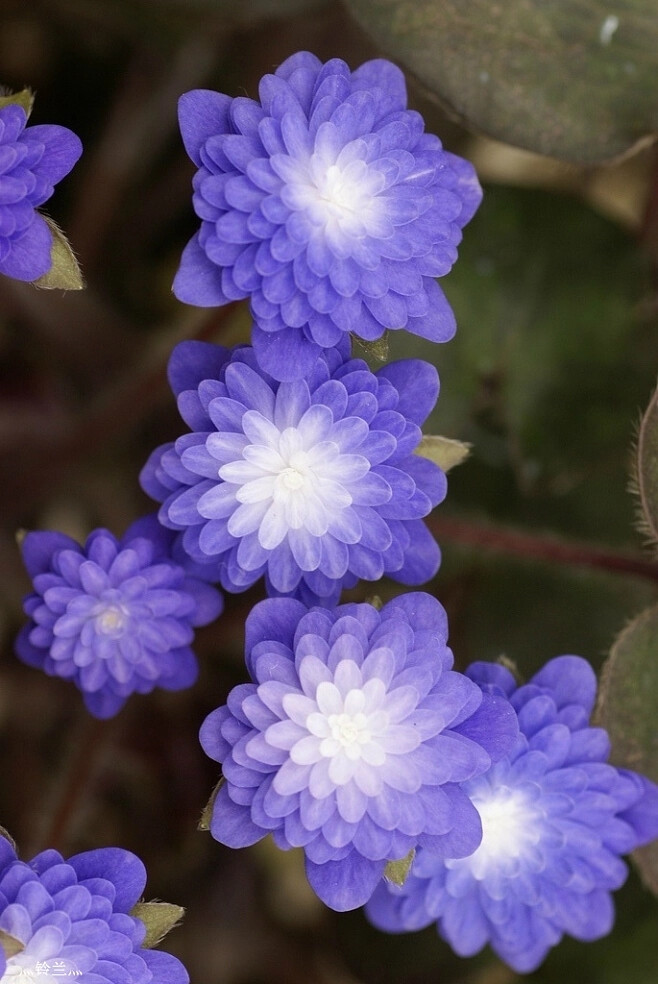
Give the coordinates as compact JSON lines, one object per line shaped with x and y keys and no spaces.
{"x":117,"y":616}
{"x":555,"y":818}
{"x":313,"y":483}
{"x":352,"y":740}
{"x":73,"y":919}
{"x":32,"y":161}
{"x":327,"y":205}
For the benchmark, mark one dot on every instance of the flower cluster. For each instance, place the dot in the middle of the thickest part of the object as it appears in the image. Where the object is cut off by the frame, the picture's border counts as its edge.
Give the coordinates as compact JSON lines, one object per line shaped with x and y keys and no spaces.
{"x":327,"y":205}
{"x":555,"y":818}
{"x":73,"y":918}
{"x":32,"y":161}
{"x":117,"y":616}
{"x":313,"y":483}
{"x":353,"y":740}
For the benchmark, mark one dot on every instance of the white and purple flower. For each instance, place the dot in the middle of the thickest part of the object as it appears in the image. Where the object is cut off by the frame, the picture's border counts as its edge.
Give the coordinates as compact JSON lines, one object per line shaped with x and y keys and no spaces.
{"x":555,"y":819}
{"x":32,"y":161}
{"x":352,"y":740}
{"x":115,"y":616}
{"x":327,"y":205}
{"x":72,"y":919}
{"x":313,"y":483}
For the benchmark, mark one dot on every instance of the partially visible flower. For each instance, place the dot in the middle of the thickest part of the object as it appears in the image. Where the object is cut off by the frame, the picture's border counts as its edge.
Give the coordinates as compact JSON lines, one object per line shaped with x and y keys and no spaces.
{"x":313,"y":483}
{"x":555,"y":818}
{"x":73,"y":920}
{"x":32,"y":161}
{"x":352,"y":741}
{"x":327,"y":205}
{"x":115,"y":616}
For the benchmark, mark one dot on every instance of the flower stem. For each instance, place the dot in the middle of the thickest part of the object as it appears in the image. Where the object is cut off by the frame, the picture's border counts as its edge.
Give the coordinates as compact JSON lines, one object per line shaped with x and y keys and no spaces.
{"x":534,"y":546}
{"x":71,"y":787}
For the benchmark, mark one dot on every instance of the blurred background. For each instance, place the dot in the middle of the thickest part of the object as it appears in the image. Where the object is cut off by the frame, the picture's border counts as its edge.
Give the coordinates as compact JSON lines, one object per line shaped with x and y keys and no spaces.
{"x":556,"y":295}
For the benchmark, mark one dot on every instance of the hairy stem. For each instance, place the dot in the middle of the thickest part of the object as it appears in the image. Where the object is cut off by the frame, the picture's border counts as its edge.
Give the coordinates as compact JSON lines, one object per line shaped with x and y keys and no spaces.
{"x":537,"y":546}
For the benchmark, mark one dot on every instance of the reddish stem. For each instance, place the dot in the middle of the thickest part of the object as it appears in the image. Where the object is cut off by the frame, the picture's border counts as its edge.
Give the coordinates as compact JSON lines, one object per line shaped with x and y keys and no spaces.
{"x":535,"y":546}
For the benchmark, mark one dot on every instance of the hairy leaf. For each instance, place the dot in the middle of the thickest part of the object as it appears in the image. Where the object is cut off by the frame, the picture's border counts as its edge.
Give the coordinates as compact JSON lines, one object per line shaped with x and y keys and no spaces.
{"x":24,"y":99}
{"x":628,"y":710}
{"x":647,"y":468}
{"x":572,"y":78}
{"x":443,"y":451}
{"x":397,"y":871}
{"x":64,"y":272}
{"x":159,"y":918}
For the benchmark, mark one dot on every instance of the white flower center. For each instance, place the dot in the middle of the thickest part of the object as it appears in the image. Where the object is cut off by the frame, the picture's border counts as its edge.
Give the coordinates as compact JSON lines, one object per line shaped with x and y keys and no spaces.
{"x":111,"y":620}
{"x":510,"y":825}
{"x":336,"y":190}
{"x":294,"y":480}
{"x":348,"y":729}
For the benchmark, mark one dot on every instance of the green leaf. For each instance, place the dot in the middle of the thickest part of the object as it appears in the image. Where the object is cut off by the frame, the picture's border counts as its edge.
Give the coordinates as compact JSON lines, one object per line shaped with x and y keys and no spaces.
{"x":646,"y":465}
{"x":443,"y":451}
{"x":64,"y":272}
{"x":377,"y":350}
{"x":628,"y":710}
{"x":397,"y":871}
{"x":10,"y":944}
{"x":572,"y":78}
{"x":24,"y":99}
{"x":159,"y":918}
{"x":206,"y":816}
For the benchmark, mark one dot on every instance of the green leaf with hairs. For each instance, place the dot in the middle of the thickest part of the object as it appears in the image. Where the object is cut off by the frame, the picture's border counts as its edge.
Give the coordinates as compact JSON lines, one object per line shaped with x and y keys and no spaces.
{"x":64,"y":272}
{"x":646,"y":469}
{"x":24,"y":99}
{"x":628,"y":710}
{"x":159,"y":918}
{"x":206,"y":816}
{"x":397,"y":871}
{"x":443,"y":451}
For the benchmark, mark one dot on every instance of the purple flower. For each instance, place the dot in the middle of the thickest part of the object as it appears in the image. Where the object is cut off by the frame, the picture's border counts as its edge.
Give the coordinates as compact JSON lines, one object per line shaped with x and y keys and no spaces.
{"x":117,"y":616}
{"x":555,"y":818}
{"x":351,"y":741}
{"x":73,"y":919}
{"x":32,"y":161}
{"x":327,"y":205}
{"x":312,"y":482}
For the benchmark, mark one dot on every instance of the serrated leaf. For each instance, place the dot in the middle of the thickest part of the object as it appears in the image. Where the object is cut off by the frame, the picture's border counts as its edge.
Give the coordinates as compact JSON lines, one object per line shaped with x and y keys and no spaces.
{"x":443,"y":451}
{"x":397,"y":871}
{"x":24,"y":99}
{"x":377,"y":350}
{"x":64,"y":273}
{"x":628,"y":710}
{"x":159,"y":918}
{"x":10,"y":944}
{"x":206,"y":816}
{"x":647,"y":467}
{"x":574,"y":79}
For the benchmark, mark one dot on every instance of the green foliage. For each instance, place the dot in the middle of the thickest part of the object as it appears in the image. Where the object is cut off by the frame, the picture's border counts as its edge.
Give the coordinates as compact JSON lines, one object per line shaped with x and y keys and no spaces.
{"x":159,"y":918}
{"x":64,"y":273}
{"x":443,"y":451}
{"x":24,"y":99}
{"x":646,"y":476}
{"x":572,"y":78}
{"x":628,"y":710}
{"x":397,"y":871}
